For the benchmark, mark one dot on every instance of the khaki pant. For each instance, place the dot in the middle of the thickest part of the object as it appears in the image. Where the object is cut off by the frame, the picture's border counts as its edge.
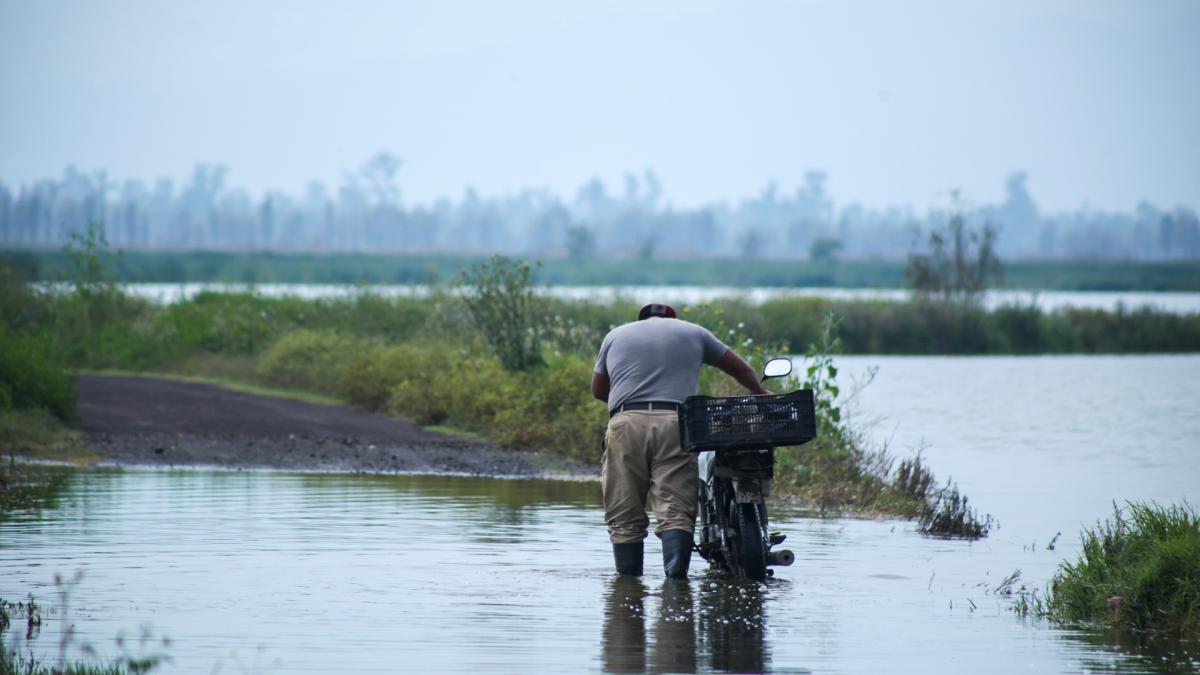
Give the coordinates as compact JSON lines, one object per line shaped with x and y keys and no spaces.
{"x":642,"y":458}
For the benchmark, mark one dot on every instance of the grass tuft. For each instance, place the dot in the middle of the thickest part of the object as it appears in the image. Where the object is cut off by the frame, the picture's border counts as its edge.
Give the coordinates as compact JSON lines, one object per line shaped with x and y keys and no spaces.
{"x":1139,"y":570}
{"x":949,"y":515}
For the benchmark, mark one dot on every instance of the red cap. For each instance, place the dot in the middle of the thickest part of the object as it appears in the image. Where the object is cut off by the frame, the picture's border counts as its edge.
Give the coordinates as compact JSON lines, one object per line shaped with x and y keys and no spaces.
{"x":654,"y":309}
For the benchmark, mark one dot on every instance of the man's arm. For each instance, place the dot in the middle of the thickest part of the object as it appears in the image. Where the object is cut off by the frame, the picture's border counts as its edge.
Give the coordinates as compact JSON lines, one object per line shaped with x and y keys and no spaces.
{"x":600,"y":386}
{"x":736,"y":367}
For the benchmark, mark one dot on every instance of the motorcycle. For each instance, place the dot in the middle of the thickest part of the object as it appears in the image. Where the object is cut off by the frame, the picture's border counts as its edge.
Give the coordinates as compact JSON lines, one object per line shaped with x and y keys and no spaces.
{"x":736,"y":438}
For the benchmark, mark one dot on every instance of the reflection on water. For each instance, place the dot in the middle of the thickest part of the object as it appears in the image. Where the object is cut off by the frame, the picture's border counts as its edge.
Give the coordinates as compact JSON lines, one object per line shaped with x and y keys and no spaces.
{"x":624,"y":636}
{"x":723,"y":630}
{"x":733,"y":623}
{"x":1106,"y":651}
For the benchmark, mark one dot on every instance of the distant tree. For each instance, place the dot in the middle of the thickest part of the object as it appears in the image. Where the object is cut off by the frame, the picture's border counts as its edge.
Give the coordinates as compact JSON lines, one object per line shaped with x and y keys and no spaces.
{"x":750,"y":243}
{"x":581,"y":242}
{"x":380,"y":174}
{"x":1018,"y":210}
{"x":824,"y":249}
{"x":646,"y":247}
{"x":959,"y":263}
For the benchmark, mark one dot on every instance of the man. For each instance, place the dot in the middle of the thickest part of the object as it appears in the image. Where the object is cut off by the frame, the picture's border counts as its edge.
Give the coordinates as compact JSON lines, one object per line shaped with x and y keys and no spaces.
{"x":644,"y":371}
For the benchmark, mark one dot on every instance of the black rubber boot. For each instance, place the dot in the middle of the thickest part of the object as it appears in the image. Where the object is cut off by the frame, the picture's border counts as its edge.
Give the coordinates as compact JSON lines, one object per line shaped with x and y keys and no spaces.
{"x":629,"y":558}
{"x":677,"y":553}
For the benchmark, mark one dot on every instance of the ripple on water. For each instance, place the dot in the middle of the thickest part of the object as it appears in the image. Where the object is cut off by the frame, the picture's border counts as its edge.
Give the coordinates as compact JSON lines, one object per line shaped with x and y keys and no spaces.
{"x":461,"y":574}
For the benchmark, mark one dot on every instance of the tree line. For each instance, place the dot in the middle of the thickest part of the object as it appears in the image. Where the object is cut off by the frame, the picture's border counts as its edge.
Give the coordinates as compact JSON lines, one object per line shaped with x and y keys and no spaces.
{"x":367,"y":213}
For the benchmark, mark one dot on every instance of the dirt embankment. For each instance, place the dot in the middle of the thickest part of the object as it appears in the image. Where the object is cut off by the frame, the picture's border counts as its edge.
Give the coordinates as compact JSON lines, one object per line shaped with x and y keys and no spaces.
{"x":162,"y":422}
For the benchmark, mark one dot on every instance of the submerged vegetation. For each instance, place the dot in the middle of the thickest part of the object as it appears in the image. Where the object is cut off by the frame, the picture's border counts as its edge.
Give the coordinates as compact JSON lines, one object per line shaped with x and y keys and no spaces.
{"x":21,"y":624}
{"x":1139,"y":571}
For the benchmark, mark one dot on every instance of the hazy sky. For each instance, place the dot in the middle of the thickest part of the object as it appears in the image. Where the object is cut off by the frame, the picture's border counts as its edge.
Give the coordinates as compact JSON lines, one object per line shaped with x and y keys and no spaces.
{"x":897,"y":101}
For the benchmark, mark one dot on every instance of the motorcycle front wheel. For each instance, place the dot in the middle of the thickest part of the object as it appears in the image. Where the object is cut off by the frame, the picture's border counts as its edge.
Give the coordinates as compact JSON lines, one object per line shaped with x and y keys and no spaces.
{"x":752,"y":542}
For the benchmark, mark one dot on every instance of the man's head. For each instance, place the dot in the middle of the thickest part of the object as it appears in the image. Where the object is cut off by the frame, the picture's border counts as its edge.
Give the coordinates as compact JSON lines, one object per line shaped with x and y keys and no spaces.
{"x":661,"y":311}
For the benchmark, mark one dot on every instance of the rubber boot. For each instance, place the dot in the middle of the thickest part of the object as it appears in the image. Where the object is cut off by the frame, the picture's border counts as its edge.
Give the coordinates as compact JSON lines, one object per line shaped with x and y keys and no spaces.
{"x":629,"y":558}
{"x":677,"y":553}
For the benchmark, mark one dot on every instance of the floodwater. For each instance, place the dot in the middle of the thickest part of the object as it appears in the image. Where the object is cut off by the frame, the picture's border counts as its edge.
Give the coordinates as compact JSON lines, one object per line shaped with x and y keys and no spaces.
{"x":274,"y":572}
{"x":1175,"y":302}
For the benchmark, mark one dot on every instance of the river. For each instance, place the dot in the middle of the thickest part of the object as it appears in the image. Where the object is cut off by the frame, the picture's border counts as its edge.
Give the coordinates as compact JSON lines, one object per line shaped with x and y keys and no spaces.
{"x":1175,"y":302}
{"x":280,"y":572}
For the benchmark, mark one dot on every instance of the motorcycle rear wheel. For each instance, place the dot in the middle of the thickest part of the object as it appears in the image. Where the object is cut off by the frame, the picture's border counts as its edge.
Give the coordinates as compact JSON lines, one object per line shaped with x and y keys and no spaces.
{"x":752,"y":542}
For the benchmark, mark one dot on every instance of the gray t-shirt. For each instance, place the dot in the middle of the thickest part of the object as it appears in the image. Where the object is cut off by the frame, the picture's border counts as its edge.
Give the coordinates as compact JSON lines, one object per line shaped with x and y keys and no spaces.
{"x":656,"y":359}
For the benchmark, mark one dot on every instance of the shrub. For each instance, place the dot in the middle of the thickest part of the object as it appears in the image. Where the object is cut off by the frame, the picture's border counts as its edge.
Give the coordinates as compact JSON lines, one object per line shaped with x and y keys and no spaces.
{"x":553,"y":411}
{"x":31,"y":378}
{"x":1139,"y":570}
{"x":307,"y":359}
{"x":503,"y":307}
{"x":429,"y":386}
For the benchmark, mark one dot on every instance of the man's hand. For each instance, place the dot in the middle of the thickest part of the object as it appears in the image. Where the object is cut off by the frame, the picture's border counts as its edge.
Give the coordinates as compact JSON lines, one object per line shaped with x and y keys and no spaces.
{"x":736,"y":367}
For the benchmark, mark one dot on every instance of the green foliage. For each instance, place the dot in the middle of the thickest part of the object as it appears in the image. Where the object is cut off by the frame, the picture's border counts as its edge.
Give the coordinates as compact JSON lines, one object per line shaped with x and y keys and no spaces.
{"x":927,"y":327}
{"x":960,"y":262}
{"x":307,"y":359}
{"x":504,"y":309}
{"x":553,"y":410}
{"x":34,"y":431}
{"x":1139,"y":570}
{"x":820,"y":375}
{"x":30,"y":377}
{"x":21,"y":309}
{"x":91,"y":271}
{"x":433,"y":382}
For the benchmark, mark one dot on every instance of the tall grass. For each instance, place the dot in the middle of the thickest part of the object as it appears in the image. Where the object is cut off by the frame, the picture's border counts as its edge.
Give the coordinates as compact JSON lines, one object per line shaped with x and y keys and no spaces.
{"x":1139,"y":570}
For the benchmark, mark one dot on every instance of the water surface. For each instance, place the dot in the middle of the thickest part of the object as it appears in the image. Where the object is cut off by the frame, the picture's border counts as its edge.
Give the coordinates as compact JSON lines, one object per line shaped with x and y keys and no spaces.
{"x":1176,"y":302}
{"x":283,"y":572}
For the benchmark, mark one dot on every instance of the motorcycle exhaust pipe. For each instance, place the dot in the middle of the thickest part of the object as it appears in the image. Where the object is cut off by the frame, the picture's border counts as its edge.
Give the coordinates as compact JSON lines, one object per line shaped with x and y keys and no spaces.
{"x":781,"y":558}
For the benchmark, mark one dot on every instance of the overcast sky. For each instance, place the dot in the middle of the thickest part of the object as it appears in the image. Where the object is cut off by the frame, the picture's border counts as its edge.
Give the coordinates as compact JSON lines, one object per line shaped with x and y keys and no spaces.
{"x":897,"y":101}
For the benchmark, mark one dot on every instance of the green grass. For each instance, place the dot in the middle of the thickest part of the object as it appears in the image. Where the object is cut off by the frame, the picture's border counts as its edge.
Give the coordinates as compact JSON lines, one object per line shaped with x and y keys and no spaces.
{"x":37,"y":433}
{"x":1139,"y":571}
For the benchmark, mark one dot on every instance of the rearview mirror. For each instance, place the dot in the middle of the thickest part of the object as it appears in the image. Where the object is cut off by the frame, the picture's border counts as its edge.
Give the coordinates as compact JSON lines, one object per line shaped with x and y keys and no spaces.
{"x":777,"y":368}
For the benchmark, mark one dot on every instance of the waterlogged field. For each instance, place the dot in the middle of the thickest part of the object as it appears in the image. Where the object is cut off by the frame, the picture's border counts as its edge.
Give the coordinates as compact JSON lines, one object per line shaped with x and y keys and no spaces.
{"x":266,"y":572}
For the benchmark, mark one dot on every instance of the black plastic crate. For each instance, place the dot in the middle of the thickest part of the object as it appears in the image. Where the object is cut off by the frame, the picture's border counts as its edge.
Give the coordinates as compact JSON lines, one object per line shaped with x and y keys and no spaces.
{"x":707,"y":423}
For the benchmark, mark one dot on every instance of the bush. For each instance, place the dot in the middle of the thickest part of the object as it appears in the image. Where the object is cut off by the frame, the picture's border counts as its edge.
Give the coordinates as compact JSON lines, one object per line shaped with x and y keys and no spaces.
{"x":433,"y":383}
{"x":307,"y":359}
{"x":552,"y":410}
{"x":31,"y":378}
{"x":1138,"y":571}
{"x":504,"y":309}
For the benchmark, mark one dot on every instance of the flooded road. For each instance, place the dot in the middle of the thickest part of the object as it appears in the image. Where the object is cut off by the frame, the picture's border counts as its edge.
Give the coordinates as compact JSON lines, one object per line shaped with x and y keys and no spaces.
{"x":277,"y":572}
